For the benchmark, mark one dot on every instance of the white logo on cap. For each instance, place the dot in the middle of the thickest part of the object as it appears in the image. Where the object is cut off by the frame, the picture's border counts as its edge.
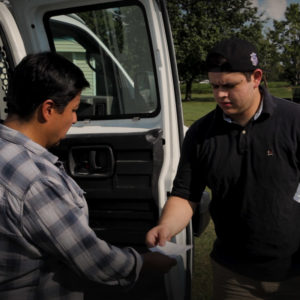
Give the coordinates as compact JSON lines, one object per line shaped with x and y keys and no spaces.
{"x":254,"y":59}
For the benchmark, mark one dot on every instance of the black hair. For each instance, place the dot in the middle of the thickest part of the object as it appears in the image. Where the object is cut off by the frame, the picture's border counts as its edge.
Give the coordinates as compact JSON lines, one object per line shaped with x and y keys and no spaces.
{"x":43,"y":76}
{"x":218,"y":63}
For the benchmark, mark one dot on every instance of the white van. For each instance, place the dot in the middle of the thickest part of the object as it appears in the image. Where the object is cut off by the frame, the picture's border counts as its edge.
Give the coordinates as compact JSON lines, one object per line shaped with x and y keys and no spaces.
{"x":124,"y":149}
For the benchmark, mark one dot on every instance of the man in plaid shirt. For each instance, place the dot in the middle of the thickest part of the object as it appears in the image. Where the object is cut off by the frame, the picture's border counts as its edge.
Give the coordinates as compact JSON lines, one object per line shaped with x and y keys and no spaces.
{"x":47,"y":249}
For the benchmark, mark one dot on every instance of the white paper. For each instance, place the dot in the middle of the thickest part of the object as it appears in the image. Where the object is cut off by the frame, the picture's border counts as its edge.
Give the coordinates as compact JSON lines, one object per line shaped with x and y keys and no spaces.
{"x":171,"y":249}
{"x":297,"y":195}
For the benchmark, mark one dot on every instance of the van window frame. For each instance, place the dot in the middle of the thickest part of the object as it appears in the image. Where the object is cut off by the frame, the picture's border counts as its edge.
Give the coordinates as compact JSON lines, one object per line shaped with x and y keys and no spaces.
{"x":66,"y":11}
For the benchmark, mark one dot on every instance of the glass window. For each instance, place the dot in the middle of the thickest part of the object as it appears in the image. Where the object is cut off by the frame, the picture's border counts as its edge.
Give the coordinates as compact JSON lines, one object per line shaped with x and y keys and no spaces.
{"x":111,"y":46}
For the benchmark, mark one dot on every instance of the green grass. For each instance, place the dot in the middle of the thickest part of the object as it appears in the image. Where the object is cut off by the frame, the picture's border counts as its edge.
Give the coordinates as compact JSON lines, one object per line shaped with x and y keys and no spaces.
{"x":193,"y":110}
{"x":202,"y":273}
{"x":202,"y":102}
{"x":285,"y":92}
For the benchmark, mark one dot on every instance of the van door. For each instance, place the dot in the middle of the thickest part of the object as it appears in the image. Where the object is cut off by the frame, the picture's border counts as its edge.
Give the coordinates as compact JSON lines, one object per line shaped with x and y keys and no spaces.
{"x":124,"y":149}
{"x":12,"y":50}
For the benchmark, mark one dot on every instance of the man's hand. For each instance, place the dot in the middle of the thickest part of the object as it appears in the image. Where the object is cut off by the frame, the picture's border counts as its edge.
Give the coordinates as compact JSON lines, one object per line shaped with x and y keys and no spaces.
{"x":158,"y":235}
{"x":175,"y":216}
{"x":155,"y":262}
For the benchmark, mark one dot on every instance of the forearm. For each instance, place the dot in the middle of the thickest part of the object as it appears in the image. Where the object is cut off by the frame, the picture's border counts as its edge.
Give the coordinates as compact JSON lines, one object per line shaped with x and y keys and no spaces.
{"x":62,"y":231}
{"x":176,"y":214}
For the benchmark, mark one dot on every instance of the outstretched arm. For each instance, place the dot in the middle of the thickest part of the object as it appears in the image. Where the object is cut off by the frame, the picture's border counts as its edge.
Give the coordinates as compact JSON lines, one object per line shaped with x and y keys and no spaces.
{"x":176,"y":214}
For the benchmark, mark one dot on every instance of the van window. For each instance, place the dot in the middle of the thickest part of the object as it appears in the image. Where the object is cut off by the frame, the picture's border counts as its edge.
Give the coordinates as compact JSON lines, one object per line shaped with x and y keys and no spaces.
{"x":111,"y":46}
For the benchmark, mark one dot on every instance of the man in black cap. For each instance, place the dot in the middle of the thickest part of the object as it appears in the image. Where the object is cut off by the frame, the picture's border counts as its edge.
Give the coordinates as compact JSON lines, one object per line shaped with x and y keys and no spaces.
{"x":247,"y":151}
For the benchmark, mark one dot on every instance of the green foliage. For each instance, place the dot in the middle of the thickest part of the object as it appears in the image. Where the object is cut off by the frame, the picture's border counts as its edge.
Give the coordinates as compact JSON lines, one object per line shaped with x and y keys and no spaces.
{"x":198,"y":25}
{"x":285,"y":38}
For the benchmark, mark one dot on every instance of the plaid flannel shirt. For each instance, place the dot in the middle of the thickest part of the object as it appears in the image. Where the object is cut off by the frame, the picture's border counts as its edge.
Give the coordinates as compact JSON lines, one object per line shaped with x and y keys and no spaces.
{"x":47,"y":249}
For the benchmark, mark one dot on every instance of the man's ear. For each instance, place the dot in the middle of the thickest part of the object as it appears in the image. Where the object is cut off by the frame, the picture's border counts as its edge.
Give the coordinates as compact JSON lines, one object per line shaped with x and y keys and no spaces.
{"x":257,"y":77}
{"x":47,"y":109}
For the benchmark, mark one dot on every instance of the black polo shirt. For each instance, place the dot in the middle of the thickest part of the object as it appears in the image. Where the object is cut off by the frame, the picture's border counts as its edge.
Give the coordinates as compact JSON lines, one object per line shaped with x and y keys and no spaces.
{"x":253,"y":173}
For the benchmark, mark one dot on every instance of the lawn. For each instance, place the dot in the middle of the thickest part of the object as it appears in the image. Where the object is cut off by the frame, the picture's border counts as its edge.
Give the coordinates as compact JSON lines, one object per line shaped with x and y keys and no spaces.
{"x":201,"y":104}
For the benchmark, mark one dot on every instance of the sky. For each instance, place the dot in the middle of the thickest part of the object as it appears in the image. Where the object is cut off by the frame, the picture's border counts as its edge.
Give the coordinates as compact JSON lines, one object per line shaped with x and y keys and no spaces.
{"x":273,"y":9}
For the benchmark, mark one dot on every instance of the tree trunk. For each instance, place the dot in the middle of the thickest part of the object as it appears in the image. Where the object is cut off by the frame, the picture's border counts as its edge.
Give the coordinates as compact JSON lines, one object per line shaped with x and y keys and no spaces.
{"x":265,"y":81}
{"x":188,"y":90}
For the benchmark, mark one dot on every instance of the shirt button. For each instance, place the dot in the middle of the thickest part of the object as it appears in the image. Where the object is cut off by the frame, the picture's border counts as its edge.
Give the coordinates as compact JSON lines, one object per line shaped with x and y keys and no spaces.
{"x":244,"y":131}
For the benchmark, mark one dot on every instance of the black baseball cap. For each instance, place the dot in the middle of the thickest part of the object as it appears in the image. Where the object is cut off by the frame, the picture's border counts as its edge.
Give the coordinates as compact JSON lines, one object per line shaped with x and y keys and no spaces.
{"x":232,"y":55}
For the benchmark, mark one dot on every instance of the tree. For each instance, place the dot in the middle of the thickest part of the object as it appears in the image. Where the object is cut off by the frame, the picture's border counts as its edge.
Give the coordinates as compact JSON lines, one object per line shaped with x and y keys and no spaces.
{"x":198,"y":25}
{"x":286,"y":39}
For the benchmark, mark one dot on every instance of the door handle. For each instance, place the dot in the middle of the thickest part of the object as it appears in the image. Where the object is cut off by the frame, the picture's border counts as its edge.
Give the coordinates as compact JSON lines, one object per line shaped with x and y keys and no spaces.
{"x":91,"y":161}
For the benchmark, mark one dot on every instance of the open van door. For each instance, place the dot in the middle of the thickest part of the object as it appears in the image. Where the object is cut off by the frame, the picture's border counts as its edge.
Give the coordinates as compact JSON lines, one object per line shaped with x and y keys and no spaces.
{"x":12,"y":50}
{"x":124,"y":149}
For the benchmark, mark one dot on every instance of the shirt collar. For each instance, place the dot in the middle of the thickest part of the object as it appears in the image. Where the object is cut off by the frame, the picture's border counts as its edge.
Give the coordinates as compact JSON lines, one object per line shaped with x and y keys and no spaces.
{"x":16,"y":137}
